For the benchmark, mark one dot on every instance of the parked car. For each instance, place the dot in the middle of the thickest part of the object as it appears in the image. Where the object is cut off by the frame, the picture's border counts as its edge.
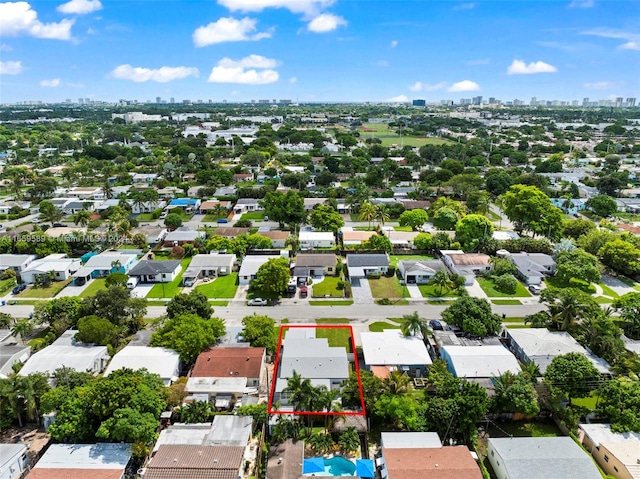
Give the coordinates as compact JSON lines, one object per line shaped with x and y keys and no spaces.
{"x":189,"y":282}
{"x":436,"y":325}
{"x":258,"y":302}
{"x":535,"y":289}
{"x":58,"y":225}
{"x":164,"y":214}
{"x":291,"y":290}
{"x":303,"y":291}
{"x":222,"y":221}
{"x":19,"y":289}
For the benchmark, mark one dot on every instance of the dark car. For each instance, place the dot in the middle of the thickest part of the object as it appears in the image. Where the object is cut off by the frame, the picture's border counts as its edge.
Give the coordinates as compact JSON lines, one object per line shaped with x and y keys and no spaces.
{"x":291,"y":291}
{"x":436,"y":325}
{"x":19,"y":289}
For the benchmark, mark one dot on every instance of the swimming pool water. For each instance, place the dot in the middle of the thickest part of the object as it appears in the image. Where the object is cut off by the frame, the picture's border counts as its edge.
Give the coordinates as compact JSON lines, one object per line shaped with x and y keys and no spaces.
{"x":339,"y":466}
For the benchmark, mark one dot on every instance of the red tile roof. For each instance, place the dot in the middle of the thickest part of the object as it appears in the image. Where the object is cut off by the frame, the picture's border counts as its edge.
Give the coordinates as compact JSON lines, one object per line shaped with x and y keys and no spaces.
{"x":451,"y":462}
{"x":195,"y":462}
{"x":62,"y":473}
{"x":229,"y":362}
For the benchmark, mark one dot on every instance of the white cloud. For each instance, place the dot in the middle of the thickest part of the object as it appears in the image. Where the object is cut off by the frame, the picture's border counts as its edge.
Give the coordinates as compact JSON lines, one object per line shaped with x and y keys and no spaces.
{"x":308,"y":7}
{"x":160,"y":75}
{"x":394,"y":43}
{"x":18,"y":18}
{"x":5,"y":48}
{"x":465,"y":6}
{"x":518,"y":67}
{"x":80,"y":7}
{"x":630,"y":46}
{"x":419,"y":86}
{"x":632,"y":40}
{"x":326,"y":22}
{"x":10,"y":68}
{"x":228,"y":29}
{"x":293,"y":80}
{"x":250,"y":70}
{"x":603,"y":85}
{"x":464,"y":85}
{"x":51,"y":83}
{"x":382,"y":63}
{"x":581,"y":4}
{"x":398,"y":99}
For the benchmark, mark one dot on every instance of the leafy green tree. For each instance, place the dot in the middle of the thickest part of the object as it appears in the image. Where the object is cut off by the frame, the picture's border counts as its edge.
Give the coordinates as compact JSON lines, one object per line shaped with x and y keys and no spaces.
{"x":196,"y":412}
{"x":573,"y":374}
{"x":399,"y":411}
{"x":602,"y":336}
{"x":506,"y":283}
{"x":472,"y":228}
{"x":60,"y":313}
{"x":372,"y":388}
{"x":285,"y":208}
{"x":257,"y":411}
{"x":70,"y":378}
{"x":472,"y":315}
{"x":194,"y":302}
{"x":81,"y":218}
{"x":188,"y":335}
{"x":568,"y":306}
{"x":116,"y":279}
{"x":620,"y":404}
{"x":378,"y":243}
{"x":95,"y":330}
{"x":173,"y":221}
{"x":325,"y":218}
{"x":445,"y":219}
{"x":413,"y":324}
{"x":49,"y":212}
{"x":577,"y":264}
{"x":531,"y":210}
{"x":273,"y":276}
{"x":414,"y":219}
{"x":423,"y":241}
{"x":118,"y":306}
{"x":577,"y":227}
{"x":479,"y":202}
{"x":22,"y":328}
{"x":349,"y":440}
{"x":602,"y":205}
{"x":260,"y":331}
{"x":621,"y":256}
{"x":593,"y":241}
{"x":514,"y":393}
{"x":320,"y":442}
{"x":629,"y":308}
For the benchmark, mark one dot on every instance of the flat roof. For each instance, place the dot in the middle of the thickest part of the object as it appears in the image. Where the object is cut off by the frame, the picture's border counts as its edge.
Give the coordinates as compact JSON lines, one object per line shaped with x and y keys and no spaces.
{"x":161,"y":361}
{"x":602,"y":433}
{"x":85,"y":456}
{"x":410,"y":440}
{"x":392,"y":348}
{"x":481,"y":361}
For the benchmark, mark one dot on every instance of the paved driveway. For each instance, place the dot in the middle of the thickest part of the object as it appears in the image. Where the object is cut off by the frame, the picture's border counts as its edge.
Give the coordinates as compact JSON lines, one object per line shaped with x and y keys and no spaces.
{"x":71,"y":290}
{"x":141,"y":291}
{"x":617,"y":285}
{"x":414,"y":291}
{"x":361,"y":291}
{"x":475,"y":290}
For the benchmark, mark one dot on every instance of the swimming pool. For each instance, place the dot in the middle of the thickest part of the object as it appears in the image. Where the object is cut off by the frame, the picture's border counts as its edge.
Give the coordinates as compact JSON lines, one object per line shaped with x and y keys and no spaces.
{"x":339,"y":466}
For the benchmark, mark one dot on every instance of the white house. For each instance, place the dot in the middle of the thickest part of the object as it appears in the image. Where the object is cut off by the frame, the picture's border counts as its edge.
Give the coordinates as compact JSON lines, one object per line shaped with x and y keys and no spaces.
{"x":210,"y":265}
{"x":61,"y":266}
{"x":247,"y":204}
{"x":10,"y":355}
{"x":156,"y":271}
{"x":161,"y":361}
{"x":16,"y":262}
{"x":464,"y":264}
{"x":391,"y":350}
{"x":479,"y":362}
{"x":101,"y":460}
{"x":533,"y":267}
{"x":316,"y":239}
{"x":420,"y":271}
{"x":250,"y":266}
{"x":618,"y":454}
{"x":13,"y":460}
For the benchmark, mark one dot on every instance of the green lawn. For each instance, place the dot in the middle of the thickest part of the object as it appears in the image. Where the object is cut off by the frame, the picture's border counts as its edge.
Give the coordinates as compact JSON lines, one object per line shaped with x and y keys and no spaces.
{"x":519,"y":326}
{"x":50,"y":292}
{"x":145,"y":217}
{"x":506,"y":302}
{"x":528,"y":429}
{"x":402,"y":228}
{"x":602,"y":299}
{"x":338,"y":337}
{"x":395,"y":302}
{"x":7,"y":284}
{"x":25,"y":302}
{"x":582,"y":285}
{"x":169,"y":290}
{"x":393,"y":260}
{"x":95,"y":286}
{"x":346,"y":302}
{"x":380,"y":326}
{"x":222,"y":287}
{"x":589,"y":402}
{"x":212,"y":218}
{"x":332,"y":321}
{"x":328,"y":287}
{"x":219,"y":303}
{"x":253,"y":216}
{"x":387,"y":288}
{"x":433,"y":291}
{"x":490,"y":290}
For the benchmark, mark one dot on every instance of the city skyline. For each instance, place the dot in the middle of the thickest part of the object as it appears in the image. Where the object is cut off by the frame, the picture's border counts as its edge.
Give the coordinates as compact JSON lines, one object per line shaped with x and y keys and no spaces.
{"x":318,"y":50}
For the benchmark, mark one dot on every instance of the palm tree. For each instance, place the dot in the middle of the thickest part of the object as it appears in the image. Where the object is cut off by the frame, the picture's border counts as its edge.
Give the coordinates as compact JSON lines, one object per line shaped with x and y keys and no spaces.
{"x":10,"y":396}
{"x":567,"y":311}
{"x":22,"y":328}
{"x":138,"y":200}
{"x":81,"y":218}
{"x":196,"y":412}
{"x":349,"y":440}
{"x":367,"y":212}
{"x":397,"y":382}
{"x":31,"y":388}
{"x":412,"y":325}
{"x":441,"y":280}
{"x":107,"y":189}
{"x":381,"y":215}
{"x":299,"y":391}
{"x":219,"y":211}
{"x":320,"y":442}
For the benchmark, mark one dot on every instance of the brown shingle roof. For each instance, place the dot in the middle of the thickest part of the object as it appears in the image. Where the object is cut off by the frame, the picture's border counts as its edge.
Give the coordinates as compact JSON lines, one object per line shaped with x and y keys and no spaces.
{"x":195,"y":462}
{"x":285,"y":460}
{"x":470,"y":259}
{"x":62,"y":473}
{"x":229,"y":362}
{"x":275,"y":235}
{"x":357,"y":235}
{"x":450,"y":462}
{"x":230,"y":232}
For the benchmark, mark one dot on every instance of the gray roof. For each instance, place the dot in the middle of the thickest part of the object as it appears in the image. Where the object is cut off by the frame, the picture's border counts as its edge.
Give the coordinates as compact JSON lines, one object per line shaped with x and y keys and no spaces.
{"x":105,"y":260}
{"x":212,"y":260}
{"x":533,"y":263}
{"x":423,"y":265}
{"x":285,"y":460}
{"x":85,"y":456}
{"x":544,"y":457}
{"x":363,"y":260}
{"x":149,"y":267}
{"x":14,"y":260}
{"x":230,"y":431}
{"x":183,"y":235}
{"x":323,"y":260}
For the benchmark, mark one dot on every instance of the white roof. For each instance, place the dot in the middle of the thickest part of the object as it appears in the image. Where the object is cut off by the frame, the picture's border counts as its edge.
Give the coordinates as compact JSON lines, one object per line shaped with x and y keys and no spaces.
{"x":541,"y":345}
{"x":602,"y":434}
{"x":85,"y":456}
{"x":410,"y":440}
{"x":251,"y":264}
{"x":485,"y":361}
{"x":9,"y":260}
{"x":45,"y":265}
{"x":105,"y":260}
{"x":392,"y":348}
{"x":316,"y":236}
{"x":216,"y":385}
{"x":160,"y":361}
{"x":504,"y":235}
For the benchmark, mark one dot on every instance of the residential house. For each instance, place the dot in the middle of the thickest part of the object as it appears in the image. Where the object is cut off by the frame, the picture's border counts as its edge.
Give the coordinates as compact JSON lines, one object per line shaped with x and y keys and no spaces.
{"x":87,"y":193}
{"x":391,"y":350}
{"x":416,"y":204}
{"x":136,"y":208}
{"x":533,"y":267}
{"x":479,"y":362}
{"x":285,"y":459}
{"x":247,"y":204}
{"x":197,"y":191}
{"x":100,"y":461}
{"x":250,"y":266}
{"x":278,"y":238}
{"x":316,"y":239}
{"x":63,"y":232}
{"x":223,"y":431}
{"x":210,"y":266}
{"x":229,"y":232}
{"x":11,"y":354}
{"x":16,"y":262}
{"x":540,"y":346}
{"x":539,"y":458}
{"x":464,"y":264}
{"x":569,"y":206}
{"x":421,"y":454}
{"x":224,"y":374}
{"x":182,"y":236}
{"x":14,"y":460}
{"x":617,"y":453}
{"x":311,"y":203}
{"x":153,"y":234}
{"x":242,"y":177}
{"x":156,"y":271}
{"x":201,"y":462}
{"x":67,"y":352}
{"x":314,"y":266}
{"x":503,"y":235}
{"x":362,"y":265}
{"x":209,"y":206}
{"x":105,"y":263}
{"x":313,"y":359}
{"x":163,"y":362}
{"x":169,"y":192}
{"x":143,"y":178}
{"x":61,"y":266}
{"x":188,"y":205}
{"x":419,"y":271}
{"x":401,"y":239}
{"x":350,"y":238}
{"x":225,"y":191}
{"x":5,"y":208}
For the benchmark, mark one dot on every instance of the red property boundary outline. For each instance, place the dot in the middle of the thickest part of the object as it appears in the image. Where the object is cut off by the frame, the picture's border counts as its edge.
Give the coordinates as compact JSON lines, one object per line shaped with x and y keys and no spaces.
{"x":270,"y":409}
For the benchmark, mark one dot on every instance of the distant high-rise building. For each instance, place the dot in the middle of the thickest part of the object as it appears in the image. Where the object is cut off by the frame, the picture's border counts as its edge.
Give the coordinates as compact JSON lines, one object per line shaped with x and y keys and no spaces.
{"x":80,"y":101}
{"x":465,"y":101}
{"x":158,"y":99}
{"x":419,"y":103}
{"x":575,"y":103}
{"x":87,"y":100}
{"x":477,"y":100}
{"x":173,"y":100}
{"x":286,"y":102}
{"x":224,"y":102}
{"x":186,"y":102}
{"x":492,"y":100}
{"x":263,"y":102}
{"x":68,"y":101}
{"x":631,"y":101}
{"x":585,"y":101}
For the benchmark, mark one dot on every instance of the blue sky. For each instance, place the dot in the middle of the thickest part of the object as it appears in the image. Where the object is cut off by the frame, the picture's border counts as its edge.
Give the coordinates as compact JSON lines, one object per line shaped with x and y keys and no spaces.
{"x":318,"y":50}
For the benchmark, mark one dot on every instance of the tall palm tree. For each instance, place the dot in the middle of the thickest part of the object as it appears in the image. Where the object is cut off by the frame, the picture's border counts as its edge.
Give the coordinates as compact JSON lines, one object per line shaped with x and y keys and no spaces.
{"x":138,"y":200}
{"x":22,"y":328}
{"x":413,"y":324}
{"x":31,"y":388}
{"x":10,"y":396}
{"x":381,"y":215}
{"x":567,"y":311}
{"x":367,"y":212}
{"x":441,"y":280}
{"x":107,"y":189}
{"x":81,"y":218}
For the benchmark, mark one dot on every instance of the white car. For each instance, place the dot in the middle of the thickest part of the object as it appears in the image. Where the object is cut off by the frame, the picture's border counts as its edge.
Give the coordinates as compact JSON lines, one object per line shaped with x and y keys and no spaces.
{"x":257,"y":302}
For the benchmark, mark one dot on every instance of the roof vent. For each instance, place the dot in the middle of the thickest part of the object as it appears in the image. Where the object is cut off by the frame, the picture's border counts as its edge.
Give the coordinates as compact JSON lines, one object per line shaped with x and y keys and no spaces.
{"x":248,"y":358}
{"x":209,"y":358}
